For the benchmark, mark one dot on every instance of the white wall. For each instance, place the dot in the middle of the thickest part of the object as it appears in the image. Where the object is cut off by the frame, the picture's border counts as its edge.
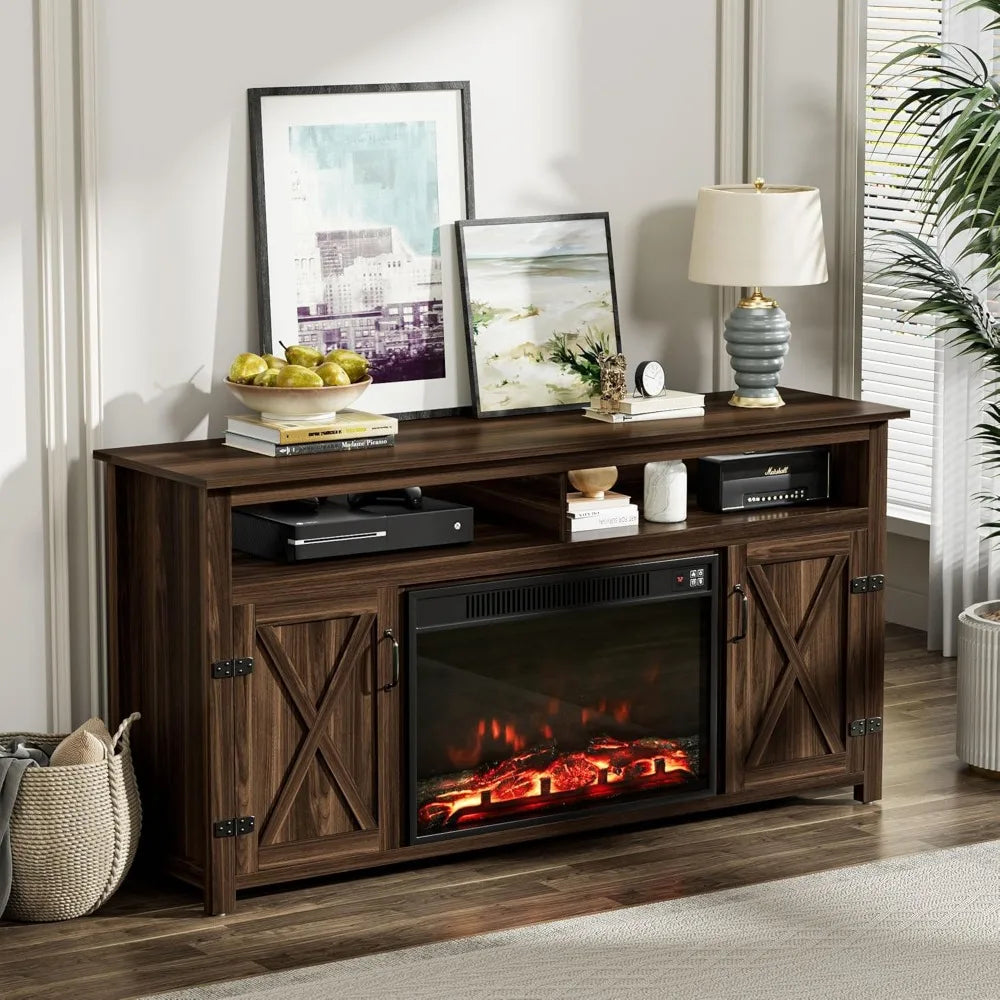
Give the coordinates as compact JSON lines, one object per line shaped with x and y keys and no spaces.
{"x":577,"y":105}
{"x":23,"y":675}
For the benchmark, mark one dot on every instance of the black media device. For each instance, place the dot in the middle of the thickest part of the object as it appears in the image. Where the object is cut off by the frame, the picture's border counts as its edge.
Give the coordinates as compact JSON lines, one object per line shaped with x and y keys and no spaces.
{"x":758,"y":479}
{"x":410,"y":497}
{"x":325,"y":528}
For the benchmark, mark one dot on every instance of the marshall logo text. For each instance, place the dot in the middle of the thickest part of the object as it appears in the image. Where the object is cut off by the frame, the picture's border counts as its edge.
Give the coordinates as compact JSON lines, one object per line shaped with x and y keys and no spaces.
{"x":776,"y":470}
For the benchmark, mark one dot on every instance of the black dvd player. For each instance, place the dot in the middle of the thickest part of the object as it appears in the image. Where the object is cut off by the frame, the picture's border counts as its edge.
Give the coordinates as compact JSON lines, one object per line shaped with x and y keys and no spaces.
{"x":332,"y":527}
{"x":763,"y":479}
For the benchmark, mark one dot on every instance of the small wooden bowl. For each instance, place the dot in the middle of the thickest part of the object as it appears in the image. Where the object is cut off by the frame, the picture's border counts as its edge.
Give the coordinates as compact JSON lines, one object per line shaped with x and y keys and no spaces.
{"x":592,"y":483}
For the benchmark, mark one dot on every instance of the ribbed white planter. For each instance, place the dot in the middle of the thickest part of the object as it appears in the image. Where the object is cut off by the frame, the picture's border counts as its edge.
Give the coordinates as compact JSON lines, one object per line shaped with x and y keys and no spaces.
{"x":978,"y":731}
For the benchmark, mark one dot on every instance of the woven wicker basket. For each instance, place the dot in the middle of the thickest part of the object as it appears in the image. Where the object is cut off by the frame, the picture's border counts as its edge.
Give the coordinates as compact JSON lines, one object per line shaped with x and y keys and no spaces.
{"x":73,"y":833}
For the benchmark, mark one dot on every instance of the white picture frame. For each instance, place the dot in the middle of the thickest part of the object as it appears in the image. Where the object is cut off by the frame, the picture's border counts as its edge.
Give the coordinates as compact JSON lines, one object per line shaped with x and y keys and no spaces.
{"x":355,"y":192}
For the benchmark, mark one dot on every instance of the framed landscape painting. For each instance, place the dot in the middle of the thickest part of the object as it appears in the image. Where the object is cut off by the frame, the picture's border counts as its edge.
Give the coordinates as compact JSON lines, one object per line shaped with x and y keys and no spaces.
{"x":540,"y":310}
{"x":355,"y":189}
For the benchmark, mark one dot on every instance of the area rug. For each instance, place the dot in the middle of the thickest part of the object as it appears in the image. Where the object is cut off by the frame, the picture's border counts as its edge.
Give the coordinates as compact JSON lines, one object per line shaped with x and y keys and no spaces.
{"x":925,"y":926}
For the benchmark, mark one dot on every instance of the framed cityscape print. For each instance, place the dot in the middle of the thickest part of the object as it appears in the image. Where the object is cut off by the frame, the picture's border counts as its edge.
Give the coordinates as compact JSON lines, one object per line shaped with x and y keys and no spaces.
{"x":355,"y":189}
{"x":540,"y":310}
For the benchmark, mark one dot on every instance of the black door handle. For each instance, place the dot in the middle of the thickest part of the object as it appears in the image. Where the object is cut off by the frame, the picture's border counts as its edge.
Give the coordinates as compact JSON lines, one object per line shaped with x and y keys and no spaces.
{"x":744,"y":613}
{"x":388,"y":634}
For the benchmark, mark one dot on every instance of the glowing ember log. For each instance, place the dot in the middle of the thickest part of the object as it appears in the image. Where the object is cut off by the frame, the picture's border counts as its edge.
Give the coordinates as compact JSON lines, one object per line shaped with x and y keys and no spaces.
{"x":523,"y":782}
{"x":572,"y":771}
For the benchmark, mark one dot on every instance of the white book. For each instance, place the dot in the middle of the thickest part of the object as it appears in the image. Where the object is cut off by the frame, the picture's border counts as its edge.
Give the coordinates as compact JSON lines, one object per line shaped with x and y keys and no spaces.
{"x":618,"y":517}
{"x":619,"y":531}
{"x":669,"y":399}
{"x":628,"y":418}
{"x":580,"y":515}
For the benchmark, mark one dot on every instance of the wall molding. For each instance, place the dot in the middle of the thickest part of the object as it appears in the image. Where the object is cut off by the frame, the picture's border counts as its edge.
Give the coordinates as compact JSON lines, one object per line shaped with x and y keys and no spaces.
{"x":730,"y":144}
{"x":56,"y":211}
{"x":739,"y":130}
{"x":70,"y":386}
{"x":851,"y":68}
{"x":90,"y":350}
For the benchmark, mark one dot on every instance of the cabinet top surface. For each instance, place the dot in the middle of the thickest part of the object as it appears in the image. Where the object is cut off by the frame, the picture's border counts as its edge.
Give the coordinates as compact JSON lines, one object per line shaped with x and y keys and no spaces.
{"x":464,"y":442}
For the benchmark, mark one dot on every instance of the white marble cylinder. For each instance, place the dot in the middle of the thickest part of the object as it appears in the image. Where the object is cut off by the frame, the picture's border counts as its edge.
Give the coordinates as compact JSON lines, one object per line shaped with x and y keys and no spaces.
{"x":665,"y":491}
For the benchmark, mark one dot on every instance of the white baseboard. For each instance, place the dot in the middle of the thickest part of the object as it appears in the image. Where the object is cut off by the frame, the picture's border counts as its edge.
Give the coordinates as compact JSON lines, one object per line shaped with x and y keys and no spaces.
{"x":906,"y":607}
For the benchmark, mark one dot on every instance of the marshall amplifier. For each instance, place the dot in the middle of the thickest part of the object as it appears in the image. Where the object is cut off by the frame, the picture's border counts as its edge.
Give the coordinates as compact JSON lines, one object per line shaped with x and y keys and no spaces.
{"x":763,"y":479}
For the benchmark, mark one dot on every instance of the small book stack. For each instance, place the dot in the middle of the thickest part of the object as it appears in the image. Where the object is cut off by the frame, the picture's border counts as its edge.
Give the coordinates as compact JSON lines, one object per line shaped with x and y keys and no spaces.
{"x":613,"y":510}
{"x":350,"y":430}
{"x":670,"y":404}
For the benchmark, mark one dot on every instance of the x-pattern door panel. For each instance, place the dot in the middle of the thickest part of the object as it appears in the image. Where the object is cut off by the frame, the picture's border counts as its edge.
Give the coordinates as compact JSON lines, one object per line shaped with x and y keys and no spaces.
{"x":796,"y":678}
{"x":306,"y":751}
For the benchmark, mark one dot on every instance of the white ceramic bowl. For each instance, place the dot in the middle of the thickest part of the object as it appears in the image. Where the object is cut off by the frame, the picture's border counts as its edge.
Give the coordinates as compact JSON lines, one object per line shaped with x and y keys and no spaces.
{"x":276,"y":402}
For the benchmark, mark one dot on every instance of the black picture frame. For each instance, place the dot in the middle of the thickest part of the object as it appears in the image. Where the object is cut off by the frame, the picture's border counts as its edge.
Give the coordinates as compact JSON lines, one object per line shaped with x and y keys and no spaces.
{"x":453,"y":394}
{"x":463,"y":229}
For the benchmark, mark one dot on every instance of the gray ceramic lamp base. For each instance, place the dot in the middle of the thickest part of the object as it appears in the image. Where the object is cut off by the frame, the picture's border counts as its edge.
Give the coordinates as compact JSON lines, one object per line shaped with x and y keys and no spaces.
{"x":757,"y":342}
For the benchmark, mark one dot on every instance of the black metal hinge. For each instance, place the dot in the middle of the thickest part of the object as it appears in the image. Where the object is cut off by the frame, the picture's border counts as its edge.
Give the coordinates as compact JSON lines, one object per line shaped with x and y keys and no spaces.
{"x":861,"y":726}
{"x":868,"y":584}
{"x":238,"y":826}
{"x":240,"y":667}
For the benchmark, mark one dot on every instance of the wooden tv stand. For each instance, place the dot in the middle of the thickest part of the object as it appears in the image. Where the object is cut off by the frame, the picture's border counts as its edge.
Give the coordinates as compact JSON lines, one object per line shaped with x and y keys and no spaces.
{"x":313,"y":750}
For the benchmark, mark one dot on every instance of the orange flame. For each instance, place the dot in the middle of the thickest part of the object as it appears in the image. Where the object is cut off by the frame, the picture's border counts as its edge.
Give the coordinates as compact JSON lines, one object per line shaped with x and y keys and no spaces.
{"x":472,"y":753}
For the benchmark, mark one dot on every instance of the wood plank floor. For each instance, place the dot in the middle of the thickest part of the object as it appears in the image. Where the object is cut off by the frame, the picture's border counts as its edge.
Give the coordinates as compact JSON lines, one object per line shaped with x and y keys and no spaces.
{"x":150,"y":939}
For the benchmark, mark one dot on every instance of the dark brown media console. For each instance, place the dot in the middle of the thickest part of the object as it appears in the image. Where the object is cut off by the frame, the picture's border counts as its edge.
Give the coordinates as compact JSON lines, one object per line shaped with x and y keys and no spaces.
{"x":275,"y":743}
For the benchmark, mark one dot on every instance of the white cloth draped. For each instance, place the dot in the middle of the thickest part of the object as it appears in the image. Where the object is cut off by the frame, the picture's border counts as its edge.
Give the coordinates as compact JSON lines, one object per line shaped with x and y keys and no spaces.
{"x":964,"y":563}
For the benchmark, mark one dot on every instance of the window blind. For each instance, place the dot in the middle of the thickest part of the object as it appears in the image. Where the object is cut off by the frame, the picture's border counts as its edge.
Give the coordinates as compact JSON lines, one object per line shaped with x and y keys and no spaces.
{"x":898,"y":361}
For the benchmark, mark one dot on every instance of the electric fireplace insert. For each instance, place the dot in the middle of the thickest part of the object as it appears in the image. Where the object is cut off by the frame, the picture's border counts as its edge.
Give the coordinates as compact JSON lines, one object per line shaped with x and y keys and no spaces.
{"x":536,"y":698}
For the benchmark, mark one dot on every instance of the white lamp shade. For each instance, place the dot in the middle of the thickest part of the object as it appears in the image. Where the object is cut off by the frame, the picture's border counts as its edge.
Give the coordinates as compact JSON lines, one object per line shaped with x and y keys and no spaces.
{"x":767,"y":238}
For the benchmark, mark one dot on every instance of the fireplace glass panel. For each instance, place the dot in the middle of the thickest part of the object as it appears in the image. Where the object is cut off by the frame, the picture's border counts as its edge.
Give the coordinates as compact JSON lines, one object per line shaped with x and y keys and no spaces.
{"x":536,"y":716}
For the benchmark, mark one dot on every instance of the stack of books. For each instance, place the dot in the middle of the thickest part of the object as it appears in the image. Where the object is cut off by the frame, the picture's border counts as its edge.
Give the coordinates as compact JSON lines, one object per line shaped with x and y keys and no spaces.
{"x":613,"y":510}
{"x":350,"y":430}
{"x":669,"y":405}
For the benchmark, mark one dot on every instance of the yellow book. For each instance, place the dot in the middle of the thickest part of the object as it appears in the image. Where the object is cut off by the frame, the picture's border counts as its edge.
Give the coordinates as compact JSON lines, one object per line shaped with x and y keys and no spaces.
{"x":347,"y":424}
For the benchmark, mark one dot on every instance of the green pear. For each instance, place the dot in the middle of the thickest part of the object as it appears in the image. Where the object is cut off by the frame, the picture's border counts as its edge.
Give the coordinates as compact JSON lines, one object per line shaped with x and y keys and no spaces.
{"x":332,"y":374}
{"x":273,"y":361}
{"x":246,"y":367}
{"x":306,"y":357}
{"x":270,"y":377}
{"x":356,"y":365}
{"x":297,"y":377}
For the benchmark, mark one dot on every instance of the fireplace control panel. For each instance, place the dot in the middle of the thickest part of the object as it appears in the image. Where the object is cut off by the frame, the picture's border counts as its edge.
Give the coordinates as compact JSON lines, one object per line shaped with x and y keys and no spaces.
{"x":688,"y":578}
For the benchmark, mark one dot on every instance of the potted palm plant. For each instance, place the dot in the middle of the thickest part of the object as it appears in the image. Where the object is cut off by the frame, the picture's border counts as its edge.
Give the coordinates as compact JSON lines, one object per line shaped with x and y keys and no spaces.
{"x":950,"y":114}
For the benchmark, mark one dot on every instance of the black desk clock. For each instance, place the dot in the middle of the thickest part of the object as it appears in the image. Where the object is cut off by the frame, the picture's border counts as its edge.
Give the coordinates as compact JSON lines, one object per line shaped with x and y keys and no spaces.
{"x":649,"y":378}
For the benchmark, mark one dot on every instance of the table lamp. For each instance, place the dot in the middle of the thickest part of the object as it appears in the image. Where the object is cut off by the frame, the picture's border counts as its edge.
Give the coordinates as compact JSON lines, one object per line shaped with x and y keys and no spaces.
{"x":754,"y":235}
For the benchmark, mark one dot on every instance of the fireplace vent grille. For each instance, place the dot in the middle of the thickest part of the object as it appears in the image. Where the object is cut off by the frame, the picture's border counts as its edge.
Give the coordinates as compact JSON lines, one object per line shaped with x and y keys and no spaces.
{"x":556,"y":595}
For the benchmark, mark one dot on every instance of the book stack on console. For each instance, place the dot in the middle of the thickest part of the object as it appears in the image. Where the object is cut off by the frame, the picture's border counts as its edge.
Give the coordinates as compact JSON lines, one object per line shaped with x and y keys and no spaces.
{"x":350,"y":430}
{"x":613,"y":510}
{"x":671,"y":404}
